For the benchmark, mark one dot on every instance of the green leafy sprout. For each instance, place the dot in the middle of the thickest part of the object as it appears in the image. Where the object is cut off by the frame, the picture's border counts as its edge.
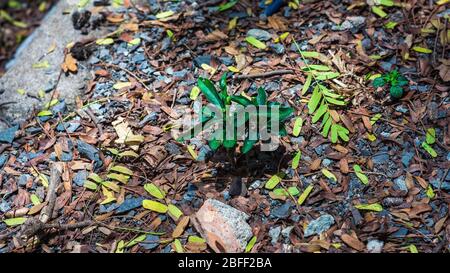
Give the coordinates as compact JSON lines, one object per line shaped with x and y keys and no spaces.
{"x":222,"y":100}
{"x":394,"y":80}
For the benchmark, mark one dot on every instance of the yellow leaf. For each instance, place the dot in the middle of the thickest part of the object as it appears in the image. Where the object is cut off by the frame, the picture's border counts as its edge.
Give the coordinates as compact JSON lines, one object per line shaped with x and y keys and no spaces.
{"x":232,"y":23}
{"x":422,"y":50}
{"x":255,"y":42}
{"x":122,"y":169}
{"x":304,"y":195}
{"x":15,"y":221}
{"x":164,"y":14}
{"x":194,"y":93}
{"x":211,"y":70}
{"x":329,"y":174}
{"x":233,"y":69}
{"x":373,"y":207}
{"x":105,"y":41}
{"x":192,"y":152}
{"x":413,"y":248}
{"x":174,"y":212}
{"x":21,"y":91}
{"x":154,"y":206}
{"x":274,"y":181}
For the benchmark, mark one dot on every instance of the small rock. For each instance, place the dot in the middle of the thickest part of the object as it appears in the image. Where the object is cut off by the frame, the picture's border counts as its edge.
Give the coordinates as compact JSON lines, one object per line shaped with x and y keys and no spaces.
{"x":274,"y":233}
{"x":224,"y":227}
{"x":286,"y":232}
{"x":3,"y":159}
{"x":407,"y":156}
{"x":9,"y":134}
{"x":353,"y":23}
{"x":255,"y":185}
{"x":259,"y":34}
{"x":278,"y":48}
{"x":392,"y":201}
{"x":151,"y":242}
{"x":129,"y":204}
{"x":320,"y":225}
{"x":204,"y":59}
{"x":190,"y":192}
{"x":375,"y":246}
{"x":90,"y":152}
{"x":80,"y":177}
{"x":172,"y":148}
{"x":400,"y":183}
{"x":282,"y":211}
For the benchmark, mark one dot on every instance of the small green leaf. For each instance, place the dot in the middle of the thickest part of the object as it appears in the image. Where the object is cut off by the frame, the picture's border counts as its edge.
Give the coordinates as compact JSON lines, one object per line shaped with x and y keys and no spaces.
{"x":261,"y":97}
{"x":164,"y":14}
{"x":297,"y":126}
{"x":372,"y":207}
{"x":122,"y":169}
{"x":154,"y":191}
{"x":154,"y":206}
{"x":396,"y":91}
{"x":95,"y":177}
{"x":90,"y":185}
{"x":105,"y":41}
{"x":307,"y":84}
{"x":413,"y":248}
{"x":315,"y":99}
{"x":274,"y":180}
{"x":174,"y":212}
{"x":378,"y":82}
{"x":45,"y":113}
{"x":210,"y":92}
{"x":305,"y":194}
{"x":248,"y":145}
{"x":227,"y":5}
{"x":359,"y":173}
{"x":296,"y":160}
{"x":430,"y":192}
{"x":429,"y":149}
{"x":250,"y":244}
{"x":431,"y":136}
{"x":35,"y":199}
{"x":390,"y":25}
{"x":15,"y":221}
{"x":319,"y":113}
{"x":375,"y":118}
{"x":334,"y":133}
{"x":255,"y":42}
{"x":196,"y":239}
{"x":422,"y":50}
{"x":322,"y":76}
{"x":119,"y":177}
{"x":136,"y":240}
{"x":379,"y":11}
{"x":317,"y":67}
{"x":329,"y":174}
{"x":177,"y":246}
{"x":309,"y":54}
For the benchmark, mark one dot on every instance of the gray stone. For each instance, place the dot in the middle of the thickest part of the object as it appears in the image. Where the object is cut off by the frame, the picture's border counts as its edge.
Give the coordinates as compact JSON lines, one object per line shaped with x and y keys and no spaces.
{"x":90,"y":152}
{"x":353,"y":23}
{"x":400,"y":183}
{"x":151,"y":242}
{"x":407,"y":156}
{"x":274,"y":233}
{"x":259,"y":34}
{"x":320,"y":225}
{"x":282,"y":211}
{"x":375,"y":246}
{"x":9,"y":134}
{"x":3,"y":159}
{"x":286,"y":232}
{"x":79,"y":178}
{"x":57,"y":29}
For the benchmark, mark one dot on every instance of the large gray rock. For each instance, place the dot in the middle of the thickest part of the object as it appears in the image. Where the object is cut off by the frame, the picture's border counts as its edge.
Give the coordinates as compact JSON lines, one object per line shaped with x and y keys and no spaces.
{"x":56,"y":30}
{"x":223,"y":227}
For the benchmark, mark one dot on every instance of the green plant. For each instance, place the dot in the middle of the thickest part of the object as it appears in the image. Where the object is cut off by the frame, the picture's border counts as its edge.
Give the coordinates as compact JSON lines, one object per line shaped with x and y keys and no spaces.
{"x":323,"y":99}
{"x":222,"y":100}
{"x":395,"y":80}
